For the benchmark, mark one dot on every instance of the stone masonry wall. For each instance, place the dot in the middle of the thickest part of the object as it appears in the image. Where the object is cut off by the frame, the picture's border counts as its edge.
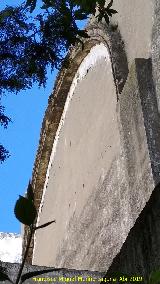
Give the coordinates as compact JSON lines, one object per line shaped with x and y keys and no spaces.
{"x":106,"y":162}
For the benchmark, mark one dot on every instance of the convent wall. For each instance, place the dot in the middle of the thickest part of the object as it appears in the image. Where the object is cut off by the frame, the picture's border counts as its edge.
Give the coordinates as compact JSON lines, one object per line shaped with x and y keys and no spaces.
{"x":99,"y":153}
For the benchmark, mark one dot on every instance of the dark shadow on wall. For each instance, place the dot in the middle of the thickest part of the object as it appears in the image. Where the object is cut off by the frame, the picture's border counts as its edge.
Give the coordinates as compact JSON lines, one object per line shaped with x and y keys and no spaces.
{"x":111,"y":37}
{"x":118,"y":56}
{"x":140,"y":254}
{"x":151,"y":114}
{"x":140,"y":120}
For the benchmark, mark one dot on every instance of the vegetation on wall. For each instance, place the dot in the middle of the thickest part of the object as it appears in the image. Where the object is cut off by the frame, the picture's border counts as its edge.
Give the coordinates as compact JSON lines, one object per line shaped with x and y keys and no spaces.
{"x":34,"y":37}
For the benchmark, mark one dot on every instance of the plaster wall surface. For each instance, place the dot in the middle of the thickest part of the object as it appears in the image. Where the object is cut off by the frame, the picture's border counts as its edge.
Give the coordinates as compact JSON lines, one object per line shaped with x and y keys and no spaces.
{"x":79,"y":163}
{"x":106,"y":154}
{"x":135,"y":22}
{"x":100,"y":163}
{"x":139,"y":24}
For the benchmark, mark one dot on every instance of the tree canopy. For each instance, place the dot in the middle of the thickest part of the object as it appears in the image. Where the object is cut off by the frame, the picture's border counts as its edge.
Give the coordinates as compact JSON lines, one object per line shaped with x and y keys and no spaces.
{"x":32,"y":41}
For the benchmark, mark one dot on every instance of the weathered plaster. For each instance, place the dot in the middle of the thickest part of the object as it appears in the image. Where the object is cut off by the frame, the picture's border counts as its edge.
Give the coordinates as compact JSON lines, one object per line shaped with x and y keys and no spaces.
{"x":96,"y":53}
{"x":110,"y":156}
{"x":76,"y":147}
{"x":58,"y":98}
{"x":155,"y":49}
{"x":135,"y":22}
{"x":98,"y":191}
{"x":140,"y":254}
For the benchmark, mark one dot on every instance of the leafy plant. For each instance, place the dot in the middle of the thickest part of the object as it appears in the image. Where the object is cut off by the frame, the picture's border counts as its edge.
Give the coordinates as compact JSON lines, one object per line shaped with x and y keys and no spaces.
{"x":4,"y":120}
{"x":25,"y":211}
{"x":154,"y":277}
{"x":30,"y":42}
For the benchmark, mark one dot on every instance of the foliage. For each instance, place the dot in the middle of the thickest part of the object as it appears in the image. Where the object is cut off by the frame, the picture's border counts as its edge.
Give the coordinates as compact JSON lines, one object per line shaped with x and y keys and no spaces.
{"x":30,"y":42}
{"x":22,"y":207}
{"x":25,"y":211}
{"x":4,"y":154}
{"x":154,"y":277}
{"x":4,"y":120}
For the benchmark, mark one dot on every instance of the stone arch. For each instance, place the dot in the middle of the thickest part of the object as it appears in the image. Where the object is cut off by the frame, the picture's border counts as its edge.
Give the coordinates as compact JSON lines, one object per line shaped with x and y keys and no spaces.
{"x":121,"y":193}
{"x":117,"y":214}
{"x":79,"y":156}
{"x":98,"y":34}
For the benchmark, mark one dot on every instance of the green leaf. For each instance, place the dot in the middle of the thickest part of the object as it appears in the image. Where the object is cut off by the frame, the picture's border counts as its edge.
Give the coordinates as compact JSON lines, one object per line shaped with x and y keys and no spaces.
{"x":31,"y":4}
{"x":25,"y":211}
{"x":30,"y":194}
{"x":47,"y":4}
{"x":111,"y":11}
{"x":88,"y":6}
{"x":45,"y":225}
{"x":110,"y":4}
{"x":6,"y":13}
{"x":108,"y":13}
{"x":106,"y":19}
{"x":101,"y":2}
{"x":79,"y":15}
{"x":154,"y":277}
{"x":83,"y":33}
{"x":100,"y":17}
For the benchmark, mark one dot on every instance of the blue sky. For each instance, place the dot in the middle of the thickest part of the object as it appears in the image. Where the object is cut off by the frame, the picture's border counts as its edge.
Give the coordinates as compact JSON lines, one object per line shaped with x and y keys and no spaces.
{"x":21,"y":139}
